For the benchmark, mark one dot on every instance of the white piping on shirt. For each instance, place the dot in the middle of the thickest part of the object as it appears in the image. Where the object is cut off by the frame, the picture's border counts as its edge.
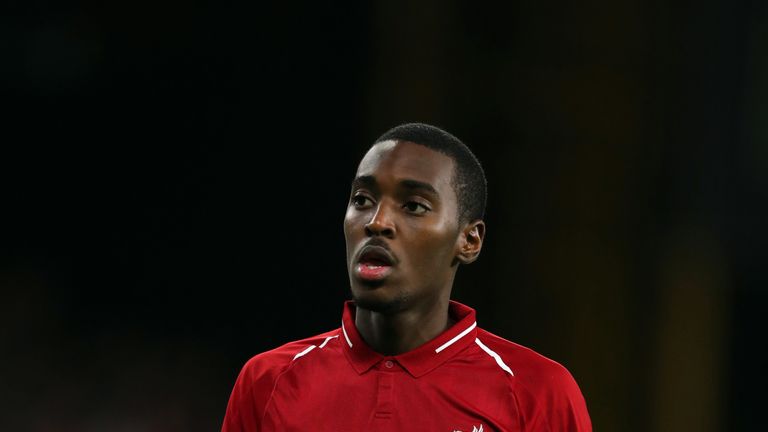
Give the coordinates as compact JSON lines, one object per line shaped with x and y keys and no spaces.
{"x":455,"y":338}
{"x":327,"y":339}
{"x":496,"y":357}
{"x":311,"y":347}
{"x":345,"y":334}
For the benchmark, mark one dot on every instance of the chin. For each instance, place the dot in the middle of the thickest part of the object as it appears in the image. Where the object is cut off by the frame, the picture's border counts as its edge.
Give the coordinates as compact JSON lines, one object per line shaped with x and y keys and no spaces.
{"x":374,"y":302}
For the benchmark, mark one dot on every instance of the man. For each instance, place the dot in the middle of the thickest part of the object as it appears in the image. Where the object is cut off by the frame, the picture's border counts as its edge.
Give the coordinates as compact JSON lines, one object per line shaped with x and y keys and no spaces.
{"x":406,"y":357}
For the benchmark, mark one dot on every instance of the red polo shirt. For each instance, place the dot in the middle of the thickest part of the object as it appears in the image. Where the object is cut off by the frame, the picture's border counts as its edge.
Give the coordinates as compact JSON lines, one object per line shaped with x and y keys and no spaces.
{"x":466,"y":379}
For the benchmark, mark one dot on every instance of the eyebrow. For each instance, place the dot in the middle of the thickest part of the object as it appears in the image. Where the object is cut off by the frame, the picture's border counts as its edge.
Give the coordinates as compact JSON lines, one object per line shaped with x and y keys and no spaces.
{"x":417,"y":185}
{"x":369,"y":181}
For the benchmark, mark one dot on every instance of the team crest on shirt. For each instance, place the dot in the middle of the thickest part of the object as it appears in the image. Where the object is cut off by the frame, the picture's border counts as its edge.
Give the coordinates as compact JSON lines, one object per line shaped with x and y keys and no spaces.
{"x":474,"y":429}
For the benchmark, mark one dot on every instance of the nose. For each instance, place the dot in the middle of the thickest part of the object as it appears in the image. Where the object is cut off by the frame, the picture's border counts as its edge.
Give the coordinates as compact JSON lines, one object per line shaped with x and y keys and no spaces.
{"x":380,"y":224}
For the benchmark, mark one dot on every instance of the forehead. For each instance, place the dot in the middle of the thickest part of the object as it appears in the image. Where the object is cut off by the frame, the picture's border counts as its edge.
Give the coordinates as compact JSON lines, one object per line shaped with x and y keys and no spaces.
{"x":401,"y":160}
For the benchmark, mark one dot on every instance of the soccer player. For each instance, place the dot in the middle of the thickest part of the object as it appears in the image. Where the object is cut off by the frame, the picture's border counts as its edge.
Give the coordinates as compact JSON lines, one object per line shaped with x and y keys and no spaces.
{"x":406,"y":357}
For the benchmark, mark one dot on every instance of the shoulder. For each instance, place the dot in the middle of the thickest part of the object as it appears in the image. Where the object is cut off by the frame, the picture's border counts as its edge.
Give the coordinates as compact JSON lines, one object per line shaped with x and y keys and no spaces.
{"x":257,"y":379}
{"x":273,"y":362}
{"x":546,"y":392}
{"x":525,"y":363}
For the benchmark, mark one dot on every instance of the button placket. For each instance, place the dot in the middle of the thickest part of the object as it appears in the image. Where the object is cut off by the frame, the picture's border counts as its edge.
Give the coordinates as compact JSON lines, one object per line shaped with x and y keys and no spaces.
{"x":384,"y":403}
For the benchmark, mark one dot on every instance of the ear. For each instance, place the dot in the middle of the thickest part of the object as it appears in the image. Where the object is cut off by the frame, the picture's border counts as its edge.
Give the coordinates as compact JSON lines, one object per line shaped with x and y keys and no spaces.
{"x":470,"y":242}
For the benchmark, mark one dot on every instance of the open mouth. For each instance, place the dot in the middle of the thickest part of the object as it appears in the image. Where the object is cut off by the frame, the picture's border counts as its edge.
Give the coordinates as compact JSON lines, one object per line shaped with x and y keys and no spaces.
{"x":375,"y":263}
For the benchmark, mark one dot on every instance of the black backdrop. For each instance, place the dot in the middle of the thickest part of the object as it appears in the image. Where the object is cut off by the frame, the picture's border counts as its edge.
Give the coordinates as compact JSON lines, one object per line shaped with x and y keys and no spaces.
{"x":175,"y":178}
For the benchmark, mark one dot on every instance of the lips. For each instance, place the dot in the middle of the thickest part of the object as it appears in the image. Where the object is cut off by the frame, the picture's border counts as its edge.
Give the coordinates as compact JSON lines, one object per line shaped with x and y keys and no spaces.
{"x":375,"y":255}
{"x":374,"y":263}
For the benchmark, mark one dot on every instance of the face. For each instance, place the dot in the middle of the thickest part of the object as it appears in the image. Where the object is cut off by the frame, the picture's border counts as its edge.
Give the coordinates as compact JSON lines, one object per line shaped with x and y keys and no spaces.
{"x":401,"y":227}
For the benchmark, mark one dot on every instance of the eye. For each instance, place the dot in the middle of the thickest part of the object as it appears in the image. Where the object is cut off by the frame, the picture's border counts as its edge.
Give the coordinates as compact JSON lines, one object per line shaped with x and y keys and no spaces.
{"x":416,"y":207}
{"x":361,"y":201}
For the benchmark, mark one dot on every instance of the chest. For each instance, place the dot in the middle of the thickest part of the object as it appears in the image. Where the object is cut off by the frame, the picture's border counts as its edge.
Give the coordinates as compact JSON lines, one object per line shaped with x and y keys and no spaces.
{"x":387,"y":398}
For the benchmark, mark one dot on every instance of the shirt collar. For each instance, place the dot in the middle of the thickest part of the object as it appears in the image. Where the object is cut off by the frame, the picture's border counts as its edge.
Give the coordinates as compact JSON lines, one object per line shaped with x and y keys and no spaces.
{"x":418,"y":361}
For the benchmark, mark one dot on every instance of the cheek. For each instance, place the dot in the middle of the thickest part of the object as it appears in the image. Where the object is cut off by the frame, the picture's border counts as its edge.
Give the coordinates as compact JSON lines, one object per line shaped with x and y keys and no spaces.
{"x":434,"y":248}
{"x":353,"y":228}
{"x":349,"y":237}
{"x":350,"y":221}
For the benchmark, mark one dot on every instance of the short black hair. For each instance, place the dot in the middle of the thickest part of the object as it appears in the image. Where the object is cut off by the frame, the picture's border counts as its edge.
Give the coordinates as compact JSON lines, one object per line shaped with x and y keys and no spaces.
{"x":468,"y":181}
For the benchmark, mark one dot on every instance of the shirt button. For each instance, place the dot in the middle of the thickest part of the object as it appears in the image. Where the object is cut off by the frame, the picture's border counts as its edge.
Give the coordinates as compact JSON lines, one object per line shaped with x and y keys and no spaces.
{"x":389,"y":364}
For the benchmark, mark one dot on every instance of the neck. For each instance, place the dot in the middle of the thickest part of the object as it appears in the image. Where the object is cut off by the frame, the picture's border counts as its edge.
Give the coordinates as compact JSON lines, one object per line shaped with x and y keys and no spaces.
{"x":403,"y":331}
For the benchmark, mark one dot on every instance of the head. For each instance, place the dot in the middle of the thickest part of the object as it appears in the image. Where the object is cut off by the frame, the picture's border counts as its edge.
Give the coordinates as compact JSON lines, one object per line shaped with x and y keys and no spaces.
{"x":415,"y":214}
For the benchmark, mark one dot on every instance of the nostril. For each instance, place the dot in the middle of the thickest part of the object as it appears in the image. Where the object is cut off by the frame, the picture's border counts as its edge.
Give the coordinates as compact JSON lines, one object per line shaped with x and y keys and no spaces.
{"x":378,"y":229}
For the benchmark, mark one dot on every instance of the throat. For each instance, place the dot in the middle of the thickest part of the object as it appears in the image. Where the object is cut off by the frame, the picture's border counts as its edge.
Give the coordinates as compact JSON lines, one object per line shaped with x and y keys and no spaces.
{"x":398,"y":333}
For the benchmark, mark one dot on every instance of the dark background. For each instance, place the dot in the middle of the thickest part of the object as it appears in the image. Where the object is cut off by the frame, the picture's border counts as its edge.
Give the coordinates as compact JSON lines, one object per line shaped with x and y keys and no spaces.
{"x":174,"y":178}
